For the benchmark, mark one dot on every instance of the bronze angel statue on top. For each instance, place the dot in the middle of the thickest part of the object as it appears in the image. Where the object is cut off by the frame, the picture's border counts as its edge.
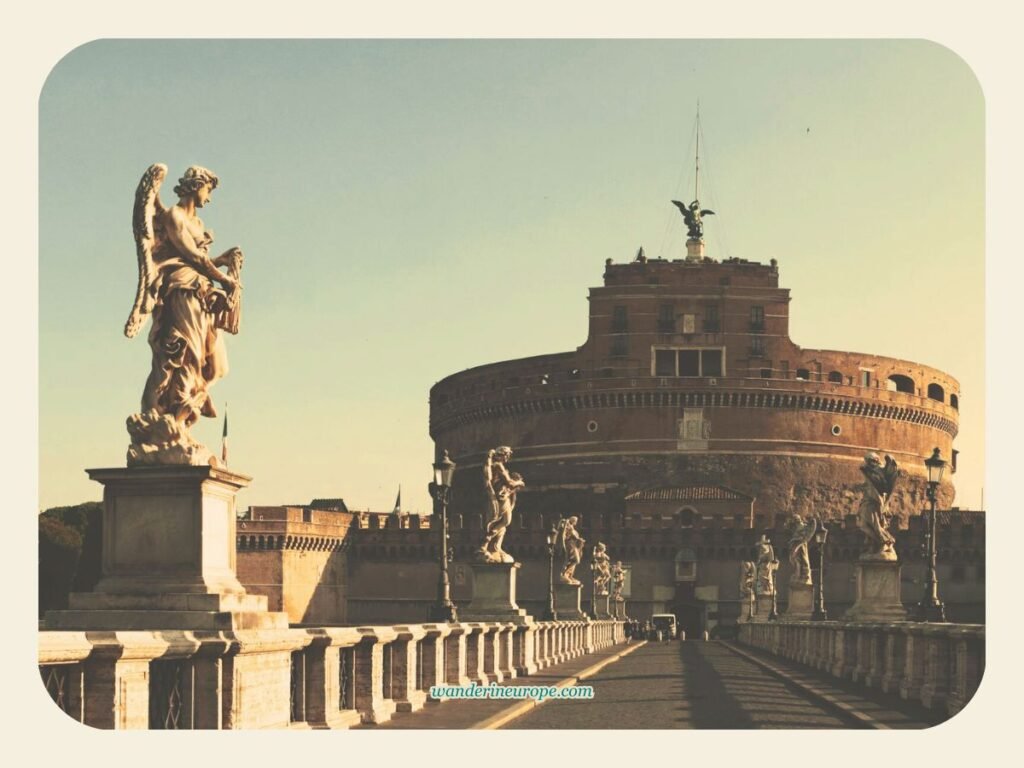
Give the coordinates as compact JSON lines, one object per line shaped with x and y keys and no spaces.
{"x":692,"y":215}
{"x":191,"y":300}
{"x":873,"y":514}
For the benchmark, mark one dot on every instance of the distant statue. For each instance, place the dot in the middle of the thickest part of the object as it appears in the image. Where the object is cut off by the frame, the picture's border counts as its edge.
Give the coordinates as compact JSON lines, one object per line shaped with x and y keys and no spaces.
{"x":692,"y":215}
{"x":501,"y":487}
{"x":601,"y":567}
{"x":618,"y":581}
{"x":801,"y":532}
{"x":570,"y":544}
{"x":191,"y":301}
{"x":873,"y":514}
{"x":766,"y":566}
{"x":747,"y":572}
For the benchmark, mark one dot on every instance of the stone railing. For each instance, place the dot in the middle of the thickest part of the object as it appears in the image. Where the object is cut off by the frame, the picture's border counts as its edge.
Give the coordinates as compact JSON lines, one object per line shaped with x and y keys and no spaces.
{"x":323,"y":677}
{"x":938,"y":665}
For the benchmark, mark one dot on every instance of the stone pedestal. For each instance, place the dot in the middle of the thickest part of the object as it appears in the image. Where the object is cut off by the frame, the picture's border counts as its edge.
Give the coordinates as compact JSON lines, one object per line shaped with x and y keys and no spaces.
{"x":168,"y":557}
{"x":877,"y":592}
{"x":602,"y":607}
{"x":619,"y":606}
{"x":801,"y":602}
{"x":694,"y":250}
{"x":494,"y":594}
{"x":567,"y":602}
{"x":763,"y":607}
{"x":748,"y":610}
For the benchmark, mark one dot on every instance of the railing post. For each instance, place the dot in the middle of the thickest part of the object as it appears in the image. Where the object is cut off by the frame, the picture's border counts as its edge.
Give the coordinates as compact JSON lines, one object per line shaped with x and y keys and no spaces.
{"x":455,"y":655}
{"x":935,"y":688}
{"x":404,"y":661}
{"x":369,"y":675}
{"x":913,"y":671}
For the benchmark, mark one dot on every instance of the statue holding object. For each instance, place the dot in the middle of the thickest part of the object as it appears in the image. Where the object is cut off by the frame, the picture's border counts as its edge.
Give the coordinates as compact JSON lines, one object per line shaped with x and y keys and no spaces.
{"x":501,"y":487}
{"x":873,"y":516}
{"x":801,"y":532}
{"x":191,"y":300}
{"x":570,"y":544}
{"x":601,"y":566}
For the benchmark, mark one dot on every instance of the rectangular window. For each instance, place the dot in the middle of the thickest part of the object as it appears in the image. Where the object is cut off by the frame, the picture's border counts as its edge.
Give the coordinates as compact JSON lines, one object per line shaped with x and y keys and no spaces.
{"x":784,"y":369}
{"x":664,"y":362}
{"x":620,"y":346}
{"x":689,"y":362}
{"x":865,"y":378}
{"x":757,"y":347}
{"x":666,"y":318}
{"x":757,"y":318}
{"x":766,"y":373}
{"x":711,"y":362}
{"x":689,"y":323}
{"x":711,"y":324}
{"x":620,"y":323}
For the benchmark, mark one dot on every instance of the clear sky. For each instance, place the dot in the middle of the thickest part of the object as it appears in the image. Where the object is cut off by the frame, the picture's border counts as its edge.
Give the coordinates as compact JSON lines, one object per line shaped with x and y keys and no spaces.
{"x":409,"y":209}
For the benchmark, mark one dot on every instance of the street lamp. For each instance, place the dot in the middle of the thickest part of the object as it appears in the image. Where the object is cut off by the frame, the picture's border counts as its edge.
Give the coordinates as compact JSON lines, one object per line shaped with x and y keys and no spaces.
{"x":930,"y":608}
{"x":820,"y":536}
{"x":551,"y":614}
{"x":441,"y":490}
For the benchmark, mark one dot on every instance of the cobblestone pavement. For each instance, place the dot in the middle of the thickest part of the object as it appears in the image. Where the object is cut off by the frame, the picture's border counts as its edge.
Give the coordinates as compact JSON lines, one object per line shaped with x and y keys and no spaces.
{"x":706,"y":685}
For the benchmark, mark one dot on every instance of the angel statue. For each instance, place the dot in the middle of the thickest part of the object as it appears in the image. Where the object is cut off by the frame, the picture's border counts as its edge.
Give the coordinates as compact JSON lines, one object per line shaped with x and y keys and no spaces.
{"x":191,"y":301}
{"x":801,"y":532}
{"x":601,"y":566}
{"x":747,"y":572}
{"x":873,"y":514}
{"x":570,"y":544}
{"x":501,"y":487}
{"x":765,"y":567}
{"x":692,"y":215}
{"x":618,"y":581}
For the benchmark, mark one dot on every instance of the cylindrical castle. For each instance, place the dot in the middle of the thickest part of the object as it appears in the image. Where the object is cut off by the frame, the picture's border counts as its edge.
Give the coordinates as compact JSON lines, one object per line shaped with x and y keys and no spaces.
{"x":688,"y":379}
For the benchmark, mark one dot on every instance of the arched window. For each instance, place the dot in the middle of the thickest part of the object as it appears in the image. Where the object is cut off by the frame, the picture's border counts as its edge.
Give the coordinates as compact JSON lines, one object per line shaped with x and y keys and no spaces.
{"x":954,"y":401}
{"x":835,"y":377}
{"x":898,"y":383}
{"x":803,"y":373}
{"x":687,"y":516}
{"x":935,"y":392}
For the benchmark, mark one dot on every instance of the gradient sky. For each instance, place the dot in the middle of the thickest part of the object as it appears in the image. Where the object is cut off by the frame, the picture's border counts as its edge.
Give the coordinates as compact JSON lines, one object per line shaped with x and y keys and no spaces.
{"x":409,"y":209}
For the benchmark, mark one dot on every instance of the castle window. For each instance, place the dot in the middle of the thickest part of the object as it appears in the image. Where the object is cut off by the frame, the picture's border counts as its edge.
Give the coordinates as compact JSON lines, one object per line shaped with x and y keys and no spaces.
{"x":689,"y":362}
{"x":766,"y":373}
{"x":955,"y":402}
{"x":607,"y":373}
{"x":865,"y":378}
{"x":686,"y":517}
{"x":757,"y":318}
{"x":898,"y":383}
{"x":664,"y":362}
{"x":666,"y":318}
{"x":711,"y":322}
{"x":935,"y":392}
{"x":803,"y":374}
{"x":835,"y":377}
{"x":711,"y":362}
{"x":757,"y":347}
{"x":620,"y":346}
{"x":620,"y":322}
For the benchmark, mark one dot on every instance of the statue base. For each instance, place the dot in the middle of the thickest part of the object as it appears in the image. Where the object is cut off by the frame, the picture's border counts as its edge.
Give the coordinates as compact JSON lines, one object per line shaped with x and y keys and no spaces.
{"x":748,"y":610}
{"x":801,"y":602}
{"x":168,"y":558}
{"x":763,"y":608}
{"x":619,"y":609}
{"x":494,"y":594}
{"x":567,"y":602}
{"x":878,"y":592}
{"x":694,"y":250}
{"x":601,"y":607}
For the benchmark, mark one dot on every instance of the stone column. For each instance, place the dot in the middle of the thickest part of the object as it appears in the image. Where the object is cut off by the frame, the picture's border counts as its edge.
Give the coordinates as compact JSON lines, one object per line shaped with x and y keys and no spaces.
{"x":405,"y":690}
{"x":913,"y":671}
{"x":895,"y":663}
{"x":455,"y":655}
{"x":369,"y":676}
{"x":935,"y":688}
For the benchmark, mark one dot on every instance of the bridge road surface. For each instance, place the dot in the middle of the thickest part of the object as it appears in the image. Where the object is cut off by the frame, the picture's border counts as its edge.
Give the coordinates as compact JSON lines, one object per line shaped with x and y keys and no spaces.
{"x":700,"y":684}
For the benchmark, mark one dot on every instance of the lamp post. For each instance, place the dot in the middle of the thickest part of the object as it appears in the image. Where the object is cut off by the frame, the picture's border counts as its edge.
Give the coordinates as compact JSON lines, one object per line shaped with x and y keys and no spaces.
{"x":551,"y":614}
{"x":820,"y":536}
{"x":441,"y":489}
{"x":930,"y":608}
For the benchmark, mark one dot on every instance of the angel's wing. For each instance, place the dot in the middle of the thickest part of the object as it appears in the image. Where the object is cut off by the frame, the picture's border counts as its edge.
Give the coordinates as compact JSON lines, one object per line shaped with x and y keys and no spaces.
{"x":683,"y":209}
{"x":147,"y":207}
{"x":707,"y":212}
{"x":890,"y":472}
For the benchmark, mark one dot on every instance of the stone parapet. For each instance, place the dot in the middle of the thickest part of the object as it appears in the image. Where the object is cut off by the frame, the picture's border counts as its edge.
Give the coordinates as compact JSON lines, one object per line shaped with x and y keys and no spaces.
{"x":938,"y":665}
{"x":313,"y":677}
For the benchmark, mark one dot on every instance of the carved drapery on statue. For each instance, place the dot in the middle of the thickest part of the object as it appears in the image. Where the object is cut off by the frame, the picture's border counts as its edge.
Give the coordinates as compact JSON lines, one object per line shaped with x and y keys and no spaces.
{"x":191,"y":301}
{"x":801,"y":532}
{"x":570,"y":544}
{"x":766,"y":566}
{"x":873,"y":516}
{"x":601,"y":567}
{"x":618,"y":581}
{"x":501,"y":487}
{"x":747,"y":578}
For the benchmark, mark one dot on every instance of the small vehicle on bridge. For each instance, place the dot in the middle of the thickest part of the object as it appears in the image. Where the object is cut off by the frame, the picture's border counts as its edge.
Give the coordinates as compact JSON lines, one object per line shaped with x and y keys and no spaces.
{"x":665,"y":623}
